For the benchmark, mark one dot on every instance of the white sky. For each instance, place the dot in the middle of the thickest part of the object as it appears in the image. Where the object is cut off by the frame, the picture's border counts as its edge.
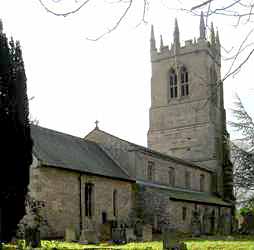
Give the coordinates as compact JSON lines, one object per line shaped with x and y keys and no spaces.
{"x":76,"y":81}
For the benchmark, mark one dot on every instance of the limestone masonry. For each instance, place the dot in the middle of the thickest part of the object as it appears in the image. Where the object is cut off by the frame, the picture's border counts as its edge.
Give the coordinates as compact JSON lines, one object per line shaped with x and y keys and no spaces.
{"x":182,"y":179}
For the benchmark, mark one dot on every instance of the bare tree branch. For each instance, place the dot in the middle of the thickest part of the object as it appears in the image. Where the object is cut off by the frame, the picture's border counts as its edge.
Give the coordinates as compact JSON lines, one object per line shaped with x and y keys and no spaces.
{"x":116,"y":24}
{"x":64,"y":14}
{"x":201,"y":5}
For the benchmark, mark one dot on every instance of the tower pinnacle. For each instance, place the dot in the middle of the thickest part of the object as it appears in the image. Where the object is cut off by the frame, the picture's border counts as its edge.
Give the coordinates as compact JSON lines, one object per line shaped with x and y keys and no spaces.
{"x":152,"y":40}
{"x":202,"y":28}
{"x":161,"y":43}
{"x":1,"y":26}
{"x":176,"y":36}
{"x":212,"y":35}
{"x":217,"y":38}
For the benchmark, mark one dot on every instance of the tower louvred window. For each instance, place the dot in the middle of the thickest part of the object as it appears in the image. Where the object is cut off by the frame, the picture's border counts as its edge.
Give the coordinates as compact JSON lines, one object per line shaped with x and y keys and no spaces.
{"x":172,"y":83}
{"x":184,"y":82}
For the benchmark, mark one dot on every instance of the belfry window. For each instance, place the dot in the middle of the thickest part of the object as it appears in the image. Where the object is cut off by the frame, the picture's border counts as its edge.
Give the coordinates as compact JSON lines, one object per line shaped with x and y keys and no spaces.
{"x":184,"y":82}
{"x":89,"y":190}
{"x":172,"y":84}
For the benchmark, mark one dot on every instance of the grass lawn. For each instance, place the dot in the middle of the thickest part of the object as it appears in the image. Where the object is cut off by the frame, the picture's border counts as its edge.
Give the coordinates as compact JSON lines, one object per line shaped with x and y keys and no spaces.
{"x":229,"y":243}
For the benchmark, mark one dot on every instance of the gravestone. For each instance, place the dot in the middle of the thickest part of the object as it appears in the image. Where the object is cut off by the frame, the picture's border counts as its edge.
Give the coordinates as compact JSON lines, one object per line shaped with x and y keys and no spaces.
{"x":70,"y":234}
{"x":138,"y":230}
{"x":170,"y":241}
{"x":169,"y":237}
{"x":248,"y":224}
{"x":130,"y":236}
{"x":105,"y":231}
{"x":89,"y":236}
{"x":206,"y":226}
{"x":227,"y":224}
{"x":195,"y":224}
{"x":147,"y":233}
{"x":118,"y":235}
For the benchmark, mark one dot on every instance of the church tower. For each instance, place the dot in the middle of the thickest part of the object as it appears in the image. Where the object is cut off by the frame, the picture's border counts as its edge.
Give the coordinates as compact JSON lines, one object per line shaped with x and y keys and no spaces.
{"x":187,"y":116}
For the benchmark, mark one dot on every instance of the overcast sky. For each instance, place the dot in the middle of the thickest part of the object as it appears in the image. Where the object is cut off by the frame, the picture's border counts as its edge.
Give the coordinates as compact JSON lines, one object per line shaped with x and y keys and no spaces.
{"x":75,"y":81}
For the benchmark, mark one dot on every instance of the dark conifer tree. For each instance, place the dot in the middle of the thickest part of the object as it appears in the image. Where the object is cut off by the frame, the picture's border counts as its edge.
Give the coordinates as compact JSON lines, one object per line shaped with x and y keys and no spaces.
{"x":15,"y":139}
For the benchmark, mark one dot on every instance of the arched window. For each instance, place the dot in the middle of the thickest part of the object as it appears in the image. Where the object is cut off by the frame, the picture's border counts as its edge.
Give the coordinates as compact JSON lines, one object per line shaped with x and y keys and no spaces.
{"x":115,"y":202}
{"x":187,"y":179}
{"x":184,"y":82}
{"x":89,"y":199}
{"x":150,"y":171}
{"x":172,"y":84}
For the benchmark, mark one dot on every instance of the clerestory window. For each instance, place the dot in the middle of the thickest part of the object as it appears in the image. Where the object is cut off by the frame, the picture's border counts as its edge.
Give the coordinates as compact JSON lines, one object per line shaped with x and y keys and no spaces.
{"x":150,"y":171}
{"x":184,"y":82}
{"x":202,"y":182}
{"x":187,"y":179}
{"x":172,"y":84}
{"x":171,"y":176}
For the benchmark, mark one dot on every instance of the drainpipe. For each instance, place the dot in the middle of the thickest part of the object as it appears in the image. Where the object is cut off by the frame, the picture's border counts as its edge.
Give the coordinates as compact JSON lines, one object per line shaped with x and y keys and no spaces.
{"x":80,"y":205}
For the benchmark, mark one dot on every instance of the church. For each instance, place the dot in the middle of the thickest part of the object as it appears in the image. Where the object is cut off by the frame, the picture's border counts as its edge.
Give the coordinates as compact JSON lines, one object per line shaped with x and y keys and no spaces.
{"x":87,"y":182}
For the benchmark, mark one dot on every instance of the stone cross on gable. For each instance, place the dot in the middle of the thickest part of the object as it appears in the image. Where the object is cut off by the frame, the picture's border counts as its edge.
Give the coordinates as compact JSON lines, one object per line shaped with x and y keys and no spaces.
{"x":96,"y":124}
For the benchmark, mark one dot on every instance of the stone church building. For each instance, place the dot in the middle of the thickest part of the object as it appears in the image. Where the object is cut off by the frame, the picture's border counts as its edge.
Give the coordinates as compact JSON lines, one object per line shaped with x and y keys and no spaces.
{"x":185,"y":168}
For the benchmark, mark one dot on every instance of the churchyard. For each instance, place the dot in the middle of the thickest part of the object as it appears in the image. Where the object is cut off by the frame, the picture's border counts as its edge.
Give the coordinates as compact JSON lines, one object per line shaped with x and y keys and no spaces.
{"x":202,"y":243}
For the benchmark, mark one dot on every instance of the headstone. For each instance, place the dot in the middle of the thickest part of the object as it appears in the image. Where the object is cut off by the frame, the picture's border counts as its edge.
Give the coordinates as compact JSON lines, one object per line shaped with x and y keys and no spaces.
{"x":206,"y":223}
{"x":227,"y":224}
{"x":147,"y":233}
{"x":248,"y":223}
{"x":138,"y":230}
{"x":118,"y":235}
{"x":105,"y":231}
{"x":195,"y":224}
{"x":169,"y":237}
{"x":70,"y":234}
{"x":130,"y":236}
{"x":89,"y":236}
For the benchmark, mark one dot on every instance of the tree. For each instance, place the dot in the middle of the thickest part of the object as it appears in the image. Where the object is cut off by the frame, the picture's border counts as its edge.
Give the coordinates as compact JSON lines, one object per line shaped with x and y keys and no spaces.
{"x":243,"y":149}
{"x":16,"y":142}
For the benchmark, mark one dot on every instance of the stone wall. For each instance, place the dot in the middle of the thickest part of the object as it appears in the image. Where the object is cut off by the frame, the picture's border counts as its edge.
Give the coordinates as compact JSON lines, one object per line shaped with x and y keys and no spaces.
{"x":103,"y":196}
{"x":60,"y":189}
{"x":160,"y":210}
{"x":135,"y":162}
{"x":161,"y":175}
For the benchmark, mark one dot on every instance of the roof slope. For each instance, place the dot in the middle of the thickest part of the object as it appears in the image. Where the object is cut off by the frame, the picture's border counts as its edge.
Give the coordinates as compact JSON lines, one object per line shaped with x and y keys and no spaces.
{"x":61,"y":150}
{"x":180,"y":194}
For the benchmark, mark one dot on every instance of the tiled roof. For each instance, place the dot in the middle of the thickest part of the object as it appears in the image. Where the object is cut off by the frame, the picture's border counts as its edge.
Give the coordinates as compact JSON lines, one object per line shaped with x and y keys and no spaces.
{"x":61,"y":150}
{"x":187,"y":195}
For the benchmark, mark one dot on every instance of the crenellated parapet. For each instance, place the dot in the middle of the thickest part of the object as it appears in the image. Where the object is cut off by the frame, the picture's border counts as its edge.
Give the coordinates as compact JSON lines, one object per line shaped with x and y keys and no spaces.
{"x":176,"y":48}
